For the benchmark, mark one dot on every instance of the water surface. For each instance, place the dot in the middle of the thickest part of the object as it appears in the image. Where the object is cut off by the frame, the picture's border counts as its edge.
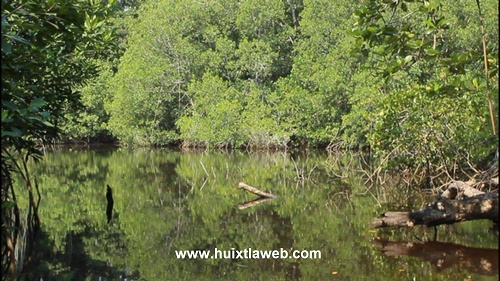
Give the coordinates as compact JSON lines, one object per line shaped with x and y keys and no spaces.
{"x":167,"y":201}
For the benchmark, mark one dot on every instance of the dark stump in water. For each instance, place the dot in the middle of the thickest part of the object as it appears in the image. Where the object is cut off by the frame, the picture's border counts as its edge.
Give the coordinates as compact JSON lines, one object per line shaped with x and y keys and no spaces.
{"x":109,"y":198}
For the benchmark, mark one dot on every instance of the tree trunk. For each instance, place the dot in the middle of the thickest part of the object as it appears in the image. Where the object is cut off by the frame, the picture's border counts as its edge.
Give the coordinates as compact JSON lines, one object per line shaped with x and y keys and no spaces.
{"x":460,"y":202}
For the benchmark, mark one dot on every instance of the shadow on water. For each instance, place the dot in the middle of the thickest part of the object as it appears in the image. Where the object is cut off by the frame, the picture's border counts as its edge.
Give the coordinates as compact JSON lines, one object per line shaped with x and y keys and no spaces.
{"x":48,"y":263}
{"x":444,"y":255}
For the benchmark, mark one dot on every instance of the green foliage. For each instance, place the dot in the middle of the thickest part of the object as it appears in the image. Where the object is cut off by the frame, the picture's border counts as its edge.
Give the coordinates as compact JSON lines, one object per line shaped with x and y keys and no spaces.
{"x":275,"y":73}
{"x":286,"y":71}
{"x":48,"y":49}
{"x":149,"y":90}
{"x":22,"y":123}
{"x":262,"y":120}
{"x":358,"y":122}
{"x":216,"y":111}
{"x":90,"y":121}
{"x":158,"y":91}
{"x":431,"y":107}
{"x":315,"y":94}
{"x":222,"y":115}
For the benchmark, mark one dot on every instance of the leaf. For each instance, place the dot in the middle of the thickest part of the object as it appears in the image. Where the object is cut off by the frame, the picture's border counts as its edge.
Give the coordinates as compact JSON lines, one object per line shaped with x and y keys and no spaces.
{"x":408,"y":58}
{"x":443,"y":22}
{"x":47,"y":123}
{"x":475,"y":82}
{"x":17,"y":38}
{"x":36,"y":103}
{"x":5,"y":115}
{"x":45,"y":114}
{"x":6,"y":46}
{"x":14,"y":133}
{"x":53,"y":24}
{"x":430,"y":23}
{"x":10,"y":105}
{"x":5,"y":23}
{"x":432,"y":52}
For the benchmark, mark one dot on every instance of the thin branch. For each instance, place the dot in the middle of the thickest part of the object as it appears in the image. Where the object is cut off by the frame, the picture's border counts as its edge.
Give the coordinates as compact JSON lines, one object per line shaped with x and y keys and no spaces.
{"x":485,"y":56}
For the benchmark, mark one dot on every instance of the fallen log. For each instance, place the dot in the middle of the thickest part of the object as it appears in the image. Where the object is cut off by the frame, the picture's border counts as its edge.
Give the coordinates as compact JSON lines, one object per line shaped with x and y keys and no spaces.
{"x":471,"y":204}
{"x":460,"y":190}
{"x":255,"y":190}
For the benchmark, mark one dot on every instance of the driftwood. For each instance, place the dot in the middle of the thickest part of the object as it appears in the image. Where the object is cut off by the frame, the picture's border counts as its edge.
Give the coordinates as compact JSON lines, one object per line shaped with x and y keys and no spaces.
{"x":445,"y":255}
{"x":460,"y":202}
{"x":255,"y":190}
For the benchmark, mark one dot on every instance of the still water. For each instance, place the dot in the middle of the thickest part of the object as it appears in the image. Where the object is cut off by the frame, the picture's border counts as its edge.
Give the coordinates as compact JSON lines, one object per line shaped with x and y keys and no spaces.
{"x":165,"y":202}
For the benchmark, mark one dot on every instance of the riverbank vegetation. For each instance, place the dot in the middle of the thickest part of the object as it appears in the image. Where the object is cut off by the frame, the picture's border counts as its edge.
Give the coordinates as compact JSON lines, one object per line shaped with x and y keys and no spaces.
{"x":49,"y":49}
{"x":406,"y":79}
{"x":413,"y":82}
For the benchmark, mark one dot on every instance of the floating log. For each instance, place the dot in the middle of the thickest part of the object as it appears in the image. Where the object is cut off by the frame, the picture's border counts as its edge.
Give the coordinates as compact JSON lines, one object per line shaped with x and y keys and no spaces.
{"x":458,"y":203}
{"x":255,"y":190}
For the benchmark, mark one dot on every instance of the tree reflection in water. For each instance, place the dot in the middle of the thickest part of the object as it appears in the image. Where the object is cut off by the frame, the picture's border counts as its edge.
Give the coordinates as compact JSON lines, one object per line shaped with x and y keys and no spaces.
{"x":444,"y":255}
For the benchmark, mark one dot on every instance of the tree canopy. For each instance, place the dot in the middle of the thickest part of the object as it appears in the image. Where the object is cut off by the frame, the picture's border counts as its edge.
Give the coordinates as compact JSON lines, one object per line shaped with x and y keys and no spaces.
{"x":49,"y":49}
{"x":405,"y":78}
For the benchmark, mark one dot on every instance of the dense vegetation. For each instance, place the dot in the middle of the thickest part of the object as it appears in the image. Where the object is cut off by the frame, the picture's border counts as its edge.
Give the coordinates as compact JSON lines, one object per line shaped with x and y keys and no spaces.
{"x":415,"y":81}
{"x":49,"y":48}
{"x":406,"y":78}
